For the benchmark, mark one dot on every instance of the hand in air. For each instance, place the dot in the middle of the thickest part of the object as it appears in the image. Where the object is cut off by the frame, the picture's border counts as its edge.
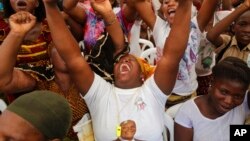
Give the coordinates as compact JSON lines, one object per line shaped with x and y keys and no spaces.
{"x":101,"y":6}
{"x":21,"y":22}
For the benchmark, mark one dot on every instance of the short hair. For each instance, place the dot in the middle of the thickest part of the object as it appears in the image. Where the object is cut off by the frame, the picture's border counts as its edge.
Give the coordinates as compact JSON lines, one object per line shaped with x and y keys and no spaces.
{"x":232,"y":68}
{"x":39,"y":11}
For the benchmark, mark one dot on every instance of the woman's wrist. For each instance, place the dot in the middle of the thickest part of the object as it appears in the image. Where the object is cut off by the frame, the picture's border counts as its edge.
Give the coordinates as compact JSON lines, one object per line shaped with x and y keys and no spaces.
{"x":109,"y":18}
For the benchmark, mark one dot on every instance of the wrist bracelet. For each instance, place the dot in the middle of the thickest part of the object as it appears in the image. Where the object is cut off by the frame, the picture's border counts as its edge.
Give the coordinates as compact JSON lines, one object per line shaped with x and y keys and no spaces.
{"x":111,"y":22}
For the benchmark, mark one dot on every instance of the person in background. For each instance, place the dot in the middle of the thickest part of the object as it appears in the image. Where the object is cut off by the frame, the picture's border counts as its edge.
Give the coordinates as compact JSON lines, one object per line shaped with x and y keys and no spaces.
{"x":186,"y":82}
{"x":36,"y":116}
{"x":30,"y":61}
{"x":208,"y":117}
{"x":129,"y":98}
{"x":237,"y":45}
{"x":98,"y":49}
{"x":206,"y":54}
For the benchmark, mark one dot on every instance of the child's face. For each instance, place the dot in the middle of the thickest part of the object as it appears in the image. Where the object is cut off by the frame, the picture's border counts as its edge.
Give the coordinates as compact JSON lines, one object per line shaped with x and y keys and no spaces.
{"x":24,"y":5}
{"x":242,"y":29}
{"x":168,"y":9}
{"x":226,"y":95}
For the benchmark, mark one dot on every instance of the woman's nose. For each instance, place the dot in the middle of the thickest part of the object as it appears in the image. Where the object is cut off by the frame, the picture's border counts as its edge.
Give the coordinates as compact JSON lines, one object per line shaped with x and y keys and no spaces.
{"x":229,"y":100}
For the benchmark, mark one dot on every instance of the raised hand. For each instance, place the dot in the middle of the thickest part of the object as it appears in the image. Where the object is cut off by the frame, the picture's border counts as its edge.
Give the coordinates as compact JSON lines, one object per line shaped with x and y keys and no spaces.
{"x":247,"y":3}
{"x":21,"y":22}
{"x":101,"y":6}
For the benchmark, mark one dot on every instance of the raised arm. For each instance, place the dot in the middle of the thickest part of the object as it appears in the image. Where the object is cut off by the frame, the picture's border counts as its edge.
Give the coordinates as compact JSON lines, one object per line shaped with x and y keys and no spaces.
{"x":175,"y":45}
{"x":72,"y":8}
{"x":113,"y":27}
{"x":20,"y":24}
{"x":214,"y":34}
{"x":205,"y":13}
{"x":146,"y":12}
{"x":68,"y":48}
{"x":226,"y":4}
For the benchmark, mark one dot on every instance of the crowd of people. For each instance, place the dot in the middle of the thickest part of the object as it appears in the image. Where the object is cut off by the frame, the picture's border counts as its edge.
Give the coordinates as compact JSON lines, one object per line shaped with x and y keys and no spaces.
{"x":50,"y":82}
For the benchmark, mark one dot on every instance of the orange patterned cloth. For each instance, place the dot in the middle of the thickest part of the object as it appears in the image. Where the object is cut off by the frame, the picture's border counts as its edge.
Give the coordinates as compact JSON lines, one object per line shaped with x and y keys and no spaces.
{"x":77,"y":104}
{"x":146,"y":68}
{"x":33,"y":56}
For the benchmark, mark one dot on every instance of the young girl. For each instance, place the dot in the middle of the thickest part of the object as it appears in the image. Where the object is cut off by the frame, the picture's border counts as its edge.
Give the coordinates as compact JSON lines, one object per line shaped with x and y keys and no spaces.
{"x":208,"y":117}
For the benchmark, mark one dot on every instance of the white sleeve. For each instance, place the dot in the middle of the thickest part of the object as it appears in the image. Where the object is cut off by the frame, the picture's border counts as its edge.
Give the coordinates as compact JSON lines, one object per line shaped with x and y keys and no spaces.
{"x":96,"y":91}
{"x":156,"y":91}
{"x":183,"y":115}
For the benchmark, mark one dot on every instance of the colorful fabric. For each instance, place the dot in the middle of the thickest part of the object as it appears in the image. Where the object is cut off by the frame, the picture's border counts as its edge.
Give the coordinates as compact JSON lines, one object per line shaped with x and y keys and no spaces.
{"x":174,"y":99}
{"x":146,"y":68}
{"x":94,"y":26}
{"x":206,"y":57}
{"x":186,"y":82}
{"x":77,"y":104}
{"x":93,"y":29}
{"x":33,"y":56}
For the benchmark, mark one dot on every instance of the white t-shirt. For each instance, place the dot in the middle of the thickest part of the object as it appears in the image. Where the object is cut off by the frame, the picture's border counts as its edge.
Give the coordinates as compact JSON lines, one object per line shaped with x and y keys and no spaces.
{"x":186,"y":82}
{"x":205,"y":129}
{"x":109,"y":106}
{"x":206,"y":57}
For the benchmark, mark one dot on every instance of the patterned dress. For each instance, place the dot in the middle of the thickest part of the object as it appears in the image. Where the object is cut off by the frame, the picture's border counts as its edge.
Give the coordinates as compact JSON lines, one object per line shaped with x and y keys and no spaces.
{"x":33,"y":58}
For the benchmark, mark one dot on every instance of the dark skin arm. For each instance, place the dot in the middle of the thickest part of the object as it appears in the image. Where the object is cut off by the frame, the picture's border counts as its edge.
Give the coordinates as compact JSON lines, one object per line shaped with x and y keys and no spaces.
{"x":167,"y":67}
{"x":75,"y":11}
{"x":186,"y":133}
{"x":226,"y":4}
{"x":75,"y":27}
{"x":104,"y":8}
{"x":78,"y":68}
{"x":205,"y":13}
{"x":13,"y":80}
{"x":214,"y":34}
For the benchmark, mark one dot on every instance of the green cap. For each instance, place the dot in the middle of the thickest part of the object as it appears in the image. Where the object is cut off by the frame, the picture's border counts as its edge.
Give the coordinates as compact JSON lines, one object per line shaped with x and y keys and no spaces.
{"x":49,"y":112}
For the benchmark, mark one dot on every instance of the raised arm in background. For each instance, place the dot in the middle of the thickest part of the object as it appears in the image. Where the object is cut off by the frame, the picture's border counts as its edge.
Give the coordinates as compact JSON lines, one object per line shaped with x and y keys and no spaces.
{"x":112,"y":24}
{"x":167,"y":67}
{"x":214,"y":34}
{"x":69,"y":50}
{"x":226,"y":5}
{"x":204,"y":15}
{"x":8,"y":54}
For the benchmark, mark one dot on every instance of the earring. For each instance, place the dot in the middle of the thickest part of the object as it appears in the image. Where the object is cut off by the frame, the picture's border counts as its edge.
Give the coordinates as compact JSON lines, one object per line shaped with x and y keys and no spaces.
{"x":142,"y":79}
